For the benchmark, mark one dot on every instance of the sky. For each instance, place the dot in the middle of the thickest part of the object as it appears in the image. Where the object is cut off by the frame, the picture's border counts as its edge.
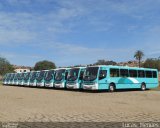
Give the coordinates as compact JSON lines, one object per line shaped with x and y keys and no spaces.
{"x":73,"y":32}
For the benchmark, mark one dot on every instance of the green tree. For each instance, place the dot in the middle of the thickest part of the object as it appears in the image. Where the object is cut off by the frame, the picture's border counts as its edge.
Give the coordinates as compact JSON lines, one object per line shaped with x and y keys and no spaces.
{"x":152,"y":63}
{"x":138,"y":56}
{"x":44,"y":65}
{"x":5,"y":66}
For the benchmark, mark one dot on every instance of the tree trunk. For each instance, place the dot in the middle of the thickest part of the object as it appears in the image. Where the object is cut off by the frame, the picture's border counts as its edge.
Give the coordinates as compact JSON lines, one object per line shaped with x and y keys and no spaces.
{"x":139,"y":63}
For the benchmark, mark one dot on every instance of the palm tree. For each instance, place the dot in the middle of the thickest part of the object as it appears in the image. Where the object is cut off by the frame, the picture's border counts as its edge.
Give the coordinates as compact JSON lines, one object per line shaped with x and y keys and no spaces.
{"x":139,"y":55}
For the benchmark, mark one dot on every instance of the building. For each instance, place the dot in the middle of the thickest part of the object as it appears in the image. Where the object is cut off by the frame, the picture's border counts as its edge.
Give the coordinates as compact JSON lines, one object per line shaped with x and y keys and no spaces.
{"x":19,"y":69}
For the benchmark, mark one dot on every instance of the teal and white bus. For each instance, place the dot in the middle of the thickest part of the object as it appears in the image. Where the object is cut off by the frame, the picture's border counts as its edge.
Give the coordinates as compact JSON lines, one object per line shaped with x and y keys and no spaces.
{"x":21,"y":79}
{"x":5,"y":78}
{"x":26,"y":78}
{"x":49,"y":78}
{"x":119,"y":77}
{"x":33,"y":78}
{"x":41,"y":78}
{"x":61,"y":77}
{"x":16,"y":79}
{"x":8,"y":81}
{"x":12,"y":77}
{"x":75,"y":78}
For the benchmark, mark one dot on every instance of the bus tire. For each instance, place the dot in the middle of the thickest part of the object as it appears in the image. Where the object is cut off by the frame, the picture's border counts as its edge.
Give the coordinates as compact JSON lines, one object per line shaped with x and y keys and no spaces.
{"x":143,"y":87}
{"x":112,"y":87}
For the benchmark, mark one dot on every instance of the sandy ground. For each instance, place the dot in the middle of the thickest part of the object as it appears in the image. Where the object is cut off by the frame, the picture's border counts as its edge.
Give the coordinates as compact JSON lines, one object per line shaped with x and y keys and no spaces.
{"x":32,"y":104}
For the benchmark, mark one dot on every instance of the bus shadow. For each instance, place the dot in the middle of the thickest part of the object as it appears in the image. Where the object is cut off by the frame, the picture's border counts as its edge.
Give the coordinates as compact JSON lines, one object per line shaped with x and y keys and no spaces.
{"x":78,"y":90}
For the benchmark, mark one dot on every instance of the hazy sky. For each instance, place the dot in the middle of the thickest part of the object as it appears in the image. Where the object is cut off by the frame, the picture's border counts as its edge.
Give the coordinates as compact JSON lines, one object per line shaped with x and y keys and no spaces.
{"x":71,"y":32}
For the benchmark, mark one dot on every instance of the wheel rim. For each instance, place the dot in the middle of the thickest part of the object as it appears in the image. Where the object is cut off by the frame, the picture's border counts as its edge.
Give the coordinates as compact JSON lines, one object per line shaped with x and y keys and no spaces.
{"x":143,"y":87}
{"x":111,"y":88}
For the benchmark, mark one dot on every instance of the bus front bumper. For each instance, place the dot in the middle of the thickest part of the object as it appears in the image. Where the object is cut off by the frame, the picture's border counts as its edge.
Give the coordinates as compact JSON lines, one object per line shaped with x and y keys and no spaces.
{"x":21,"y":83}
{"x":16,"y":83}
{"x":90,"y":87}
{"x":72,"y":86}
{"x":12,"y":83}
{"x":40,"y":84}
{"x":49,"y":85}
{"x":26,"y":83}
{"x":32,"y":84}
{"x":60,"y":85}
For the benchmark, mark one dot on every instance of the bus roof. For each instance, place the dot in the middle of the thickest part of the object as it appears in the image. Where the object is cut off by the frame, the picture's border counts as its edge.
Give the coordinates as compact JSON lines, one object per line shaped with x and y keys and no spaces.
{"x":62,"y":68}
{"x":77,"y":67}
{"x":127,"y":67}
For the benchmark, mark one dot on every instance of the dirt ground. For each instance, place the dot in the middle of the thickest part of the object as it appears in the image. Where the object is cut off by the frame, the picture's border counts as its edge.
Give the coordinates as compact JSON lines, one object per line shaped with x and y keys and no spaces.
{"x":43,"y":105}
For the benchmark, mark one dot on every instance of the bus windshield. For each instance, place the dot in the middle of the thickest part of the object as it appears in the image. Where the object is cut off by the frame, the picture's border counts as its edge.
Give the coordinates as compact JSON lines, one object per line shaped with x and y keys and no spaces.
{"x":90,"y":74}
{"x":21,"y":76}
{"x":12,"y":76}
{"x":49,"y":75}
{"x":59,"y":75}
{"x":9,"y":76}
{"x":18,"y":76}
{"x":73,"y":74}
{"x":26,"y":77}
{"x":33,"y":77}
{"x":41,"y":75}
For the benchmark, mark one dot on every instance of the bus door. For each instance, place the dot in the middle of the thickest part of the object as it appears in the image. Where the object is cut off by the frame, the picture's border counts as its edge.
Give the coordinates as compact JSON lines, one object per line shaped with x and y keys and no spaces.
{"x":102,"y":78}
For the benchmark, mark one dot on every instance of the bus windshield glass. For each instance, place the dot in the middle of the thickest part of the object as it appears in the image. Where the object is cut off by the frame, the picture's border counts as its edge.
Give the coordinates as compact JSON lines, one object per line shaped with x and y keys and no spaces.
{"x":33,"y":77}
{"x":21,"y":76}
{"x":90,"y":74}
{"x":12,"y":76}
{"x":8,"y":77}
{"x":49,"y":75}
{"x":26,"y":77}
{"x":59,"y":75}
{"x":73,"y":74}
{"x":18,"y":76}
{"x":41,"y":75}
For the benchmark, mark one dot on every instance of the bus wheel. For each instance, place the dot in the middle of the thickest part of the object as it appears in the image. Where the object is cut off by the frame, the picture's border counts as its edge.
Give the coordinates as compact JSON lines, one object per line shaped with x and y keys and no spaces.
{"x":112,"y":88}
{"x":143,"y":87}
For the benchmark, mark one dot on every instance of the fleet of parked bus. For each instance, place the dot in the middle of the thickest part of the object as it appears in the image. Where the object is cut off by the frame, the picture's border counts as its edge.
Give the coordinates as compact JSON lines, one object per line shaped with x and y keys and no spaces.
{"x":101,"y":77}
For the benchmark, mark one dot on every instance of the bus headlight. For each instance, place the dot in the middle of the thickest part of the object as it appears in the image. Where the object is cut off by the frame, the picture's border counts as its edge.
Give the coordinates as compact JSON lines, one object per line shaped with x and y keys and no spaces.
{"x":95,"y":86}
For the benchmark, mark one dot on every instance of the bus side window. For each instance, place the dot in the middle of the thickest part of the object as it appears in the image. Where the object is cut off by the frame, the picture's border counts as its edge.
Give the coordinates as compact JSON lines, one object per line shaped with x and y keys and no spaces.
{"x":148,"y":74}
{"x":133,"y":73}
{"x":154,"y":74}
{"x":141,"y":73}
{"x":114,"y":72}
{"x":102,"y":74}
{"x":124,"y":72}
{"x":81,"y":75}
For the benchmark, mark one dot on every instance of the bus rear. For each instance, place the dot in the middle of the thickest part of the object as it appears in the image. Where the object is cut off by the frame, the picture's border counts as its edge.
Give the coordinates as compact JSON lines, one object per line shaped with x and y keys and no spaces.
{"x":75,"y":78}
{"x":61,"y":78}
{"x":49,"y":78}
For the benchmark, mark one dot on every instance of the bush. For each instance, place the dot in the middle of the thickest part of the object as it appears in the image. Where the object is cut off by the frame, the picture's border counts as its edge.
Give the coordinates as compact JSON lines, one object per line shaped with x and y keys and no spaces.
{"x":5,"y":66}
{"x":152,"y":63}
